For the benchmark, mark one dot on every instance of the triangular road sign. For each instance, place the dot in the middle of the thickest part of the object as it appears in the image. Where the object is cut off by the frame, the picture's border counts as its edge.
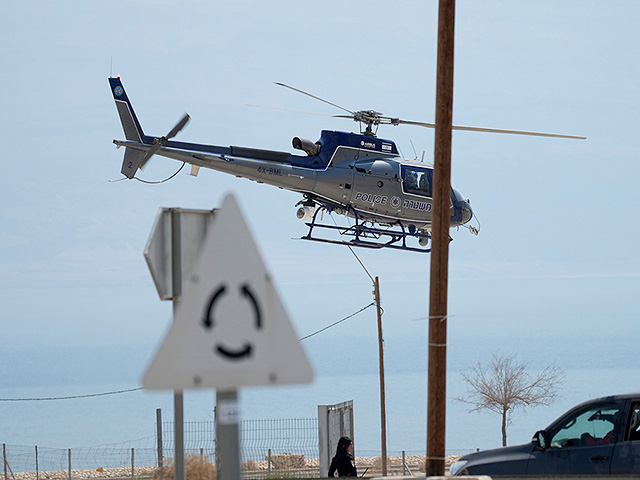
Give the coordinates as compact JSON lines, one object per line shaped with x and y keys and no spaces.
{"x":230,"y":327}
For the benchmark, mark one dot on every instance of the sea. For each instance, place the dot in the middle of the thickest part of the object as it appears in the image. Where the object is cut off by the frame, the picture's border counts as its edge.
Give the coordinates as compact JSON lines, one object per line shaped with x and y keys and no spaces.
{"x":346,"y":367}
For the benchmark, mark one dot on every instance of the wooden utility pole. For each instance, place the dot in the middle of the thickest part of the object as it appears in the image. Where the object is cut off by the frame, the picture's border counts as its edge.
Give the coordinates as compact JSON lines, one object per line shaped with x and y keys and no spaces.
{"x":436,"y":397}
{"x":383,"y":410}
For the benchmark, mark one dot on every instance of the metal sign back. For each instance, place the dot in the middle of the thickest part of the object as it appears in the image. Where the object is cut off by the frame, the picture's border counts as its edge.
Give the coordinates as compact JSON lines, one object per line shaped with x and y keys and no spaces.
{"x":157,"y":252}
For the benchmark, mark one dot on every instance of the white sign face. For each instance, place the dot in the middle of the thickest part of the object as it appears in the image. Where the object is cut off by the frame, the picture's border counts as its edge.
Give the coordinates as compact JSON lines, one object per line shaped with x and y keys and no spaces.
{"x":230,"y":327}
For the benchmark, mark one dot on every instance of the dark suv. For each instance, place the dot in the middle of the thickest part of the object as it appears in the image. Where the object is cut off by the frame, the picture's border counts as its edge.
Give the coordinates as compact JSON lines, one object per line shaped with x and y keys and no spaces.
{"x":598,"y":437}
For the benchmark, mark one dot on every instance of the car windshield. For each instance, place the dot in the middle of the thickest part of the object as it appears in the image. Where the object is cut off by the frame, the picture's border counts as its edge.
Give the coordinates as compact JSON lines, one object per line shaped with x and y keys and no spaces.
{"x":589,"y":427}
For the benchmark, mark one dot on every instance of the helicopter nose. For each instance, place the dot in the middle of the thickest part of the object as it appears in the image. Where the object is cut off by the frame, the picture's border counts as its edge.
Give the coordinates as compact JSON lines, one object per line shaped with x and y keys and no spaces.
{"x":467,"y":213}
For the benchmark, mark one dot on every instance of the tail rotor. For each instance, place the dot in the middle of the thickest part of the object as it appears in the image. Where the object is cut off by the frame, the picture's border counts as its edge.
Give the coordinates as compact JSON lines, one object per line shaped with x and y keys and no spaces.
{"x":160,"y":142}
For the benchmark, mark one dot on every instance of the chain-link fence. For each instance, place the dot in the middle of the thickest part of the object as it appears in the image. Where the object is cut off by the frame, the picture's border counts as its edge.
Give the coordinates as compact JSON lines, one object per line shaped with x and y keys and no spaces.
{"x":271,"y":449}
{"x":265,"y":446}
{"x":21,"y":458}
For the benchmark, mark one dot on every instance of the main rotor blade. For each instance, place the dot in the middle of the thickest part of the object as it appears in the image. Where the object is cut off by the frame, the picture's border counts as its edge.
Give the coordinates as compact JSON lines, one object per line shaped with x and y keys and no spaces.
{"x":313,"y":96}
{"x":179,"y":126}
{"x":292,"y":110}
{"x":397,"y":121}
{"x":488,"y":130}
{"x":516,"y":132}
{"x":352,"y":117}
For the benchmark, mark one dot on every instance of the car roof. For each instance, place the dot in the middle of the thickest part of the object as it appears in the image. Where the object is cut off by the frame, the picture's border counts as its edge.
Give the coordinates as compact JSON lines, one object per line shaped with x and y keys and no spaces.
{"x":610,"y":398}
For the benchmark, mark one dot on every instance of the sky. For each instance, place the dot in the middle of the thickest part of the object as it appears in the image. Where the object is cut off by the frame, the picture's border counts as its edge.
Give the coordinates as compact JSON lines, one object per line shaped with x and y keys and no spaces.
{"x":556,"y":254}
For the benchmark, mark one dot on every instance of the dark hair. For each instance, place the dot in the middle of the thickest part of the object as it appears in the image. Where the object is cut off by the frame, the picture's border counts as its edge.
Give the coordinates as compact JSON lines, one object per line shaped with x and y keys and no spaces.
{"x":343,"y":444}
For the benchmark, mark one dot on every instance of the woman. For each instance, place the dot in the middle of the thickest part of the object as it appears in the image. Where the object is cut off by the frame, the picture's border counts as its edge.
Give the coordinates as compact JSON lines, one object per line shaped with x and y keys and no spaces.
{"x":343,"y":461}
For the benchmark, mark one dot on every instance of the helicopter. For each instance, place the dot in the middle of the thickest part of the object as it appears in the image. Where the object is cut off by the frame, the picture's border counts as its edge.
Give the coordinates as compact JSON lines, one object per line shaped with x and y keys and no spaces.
{"x":386,"y":198}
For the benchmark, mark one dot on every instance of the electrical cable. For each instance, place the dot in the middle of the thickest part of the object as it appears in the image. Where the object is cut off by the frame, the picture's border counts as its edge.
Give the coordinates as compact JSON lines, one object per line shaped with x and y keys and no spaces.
{"x":69,"y":397}
{"x":142,"y":388}
{"x":361,"y":264}
{"x":355,"y":255}
{"x":339,"y":321}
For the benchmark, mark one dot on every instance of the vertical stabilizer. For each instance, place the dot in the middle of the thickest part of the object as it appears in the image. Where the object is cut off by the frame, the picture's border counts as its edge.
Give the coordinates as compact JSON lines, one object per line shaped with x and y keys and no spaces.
{"x":130,"y":123}
{"x":131,"y":126}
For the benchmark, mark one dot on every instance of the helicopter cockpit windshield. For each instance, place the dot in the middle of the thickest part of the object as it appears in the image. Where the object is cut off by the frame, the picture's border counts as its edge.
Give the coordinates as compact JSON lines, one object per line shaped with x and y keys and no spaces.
{"x":458,"y":196}
{"x":417,"y":180}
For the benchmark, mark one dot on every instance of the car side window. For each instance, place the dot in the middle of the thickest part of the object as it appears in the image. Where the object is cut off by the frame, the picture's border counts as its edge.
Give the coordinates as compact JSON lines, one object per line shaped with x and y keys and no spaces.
{"x":633,"y":428}
{"x":594,"y":426}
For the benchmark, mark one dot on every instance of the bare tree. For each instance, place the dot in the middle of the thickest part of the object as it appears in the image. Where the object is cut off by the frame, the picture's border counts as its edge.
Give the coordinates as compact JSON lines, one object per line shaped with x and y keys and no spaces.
{"x":504,"y":385}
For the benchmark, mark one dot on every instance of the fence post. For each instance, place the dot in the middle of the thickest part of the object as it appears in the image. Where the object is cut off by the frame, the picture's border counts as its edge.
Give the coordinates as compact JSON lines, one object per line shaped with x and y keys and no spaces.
{"x":159,"y":434}
{"x":132,"y":464}
{"x":6,"y":462}
{"x":37,"y":470}
{"x":69,"y":464}
{"x":269,"y":461}
{"x":404,"y":464}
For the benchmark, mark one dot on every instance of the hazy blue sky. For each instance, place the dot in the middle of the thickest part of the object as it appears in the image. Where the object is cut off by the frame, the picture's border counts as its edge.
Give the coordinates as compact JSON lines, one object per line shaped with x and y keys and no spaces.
{"x":557,"y":251}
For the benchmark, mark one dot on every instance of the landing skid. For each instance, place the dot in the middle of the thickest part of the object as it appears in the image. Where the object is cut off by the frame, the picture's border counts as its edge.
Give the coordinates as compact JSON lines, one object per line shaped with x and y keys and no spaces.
{"x":369,"y":236}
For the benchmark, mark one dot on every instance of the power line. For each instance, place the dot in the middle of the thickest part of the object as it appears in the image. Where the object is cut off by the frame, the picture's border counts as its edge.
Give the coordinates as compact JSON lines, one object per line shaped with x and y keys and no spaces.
{"x":142,"y":388}
{"x":339,"y":321}
{"x":69,"y":397}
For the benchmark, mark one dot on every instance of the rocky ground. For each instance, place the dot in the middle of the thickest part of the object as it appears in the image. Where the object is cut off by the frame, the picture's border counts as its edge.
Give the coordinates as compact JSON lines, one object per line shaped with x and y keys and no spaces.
{"x":252,"y":469}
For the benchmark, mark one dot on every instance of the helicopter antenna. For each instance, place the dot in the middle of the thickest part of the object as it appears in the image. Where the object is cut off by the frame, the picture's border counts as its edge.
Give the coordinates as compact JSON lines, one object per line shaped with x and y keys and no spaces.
{"x":414,"y":149}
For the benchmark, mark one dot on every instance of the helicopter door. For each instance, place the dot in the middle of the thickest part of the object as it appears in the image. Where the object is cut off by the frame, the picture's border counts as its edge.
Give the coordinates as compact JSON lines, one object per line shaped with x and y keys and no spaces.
{"x":375,"y":183}
{"x":417,"y":189}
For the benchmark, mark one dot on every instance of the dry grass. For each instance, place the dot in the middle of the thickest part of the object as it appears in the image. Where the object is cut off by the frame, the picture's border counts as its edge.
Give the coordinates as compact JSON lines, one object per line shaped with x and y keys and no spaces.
{"x":195,"y":468}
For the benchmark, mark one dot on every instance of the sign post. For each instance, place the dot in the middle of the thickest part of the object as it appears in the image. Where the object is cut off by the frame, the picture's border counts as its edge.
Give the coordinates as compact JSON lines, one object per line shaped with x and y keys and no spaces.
{"x":178,"y":398}
{"x":228,"y":433}
{"x":167,"y":259}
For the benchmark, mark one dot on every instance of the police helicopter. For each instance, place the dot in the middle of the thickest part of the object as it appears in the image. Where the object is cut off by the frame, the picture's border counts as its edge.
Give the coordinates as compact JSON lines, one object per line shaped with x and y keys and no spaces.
{"x":385,"y":197}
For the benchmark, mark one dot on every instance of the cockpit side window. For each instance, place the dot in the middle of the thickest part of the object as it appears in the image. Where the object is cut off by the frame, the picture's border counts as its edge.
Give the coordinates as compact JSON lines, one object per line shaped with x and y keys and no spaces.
{"x":417,"y":180}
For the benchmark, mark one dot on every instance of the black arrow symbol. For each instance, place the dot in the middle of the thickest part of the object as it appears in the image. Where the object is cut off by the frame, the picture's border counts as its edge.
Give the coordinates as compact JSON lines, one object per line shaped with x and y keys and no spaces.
{"x":244,"y":352}
{"x":208,"y":320}
{"x":247,"y":293}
